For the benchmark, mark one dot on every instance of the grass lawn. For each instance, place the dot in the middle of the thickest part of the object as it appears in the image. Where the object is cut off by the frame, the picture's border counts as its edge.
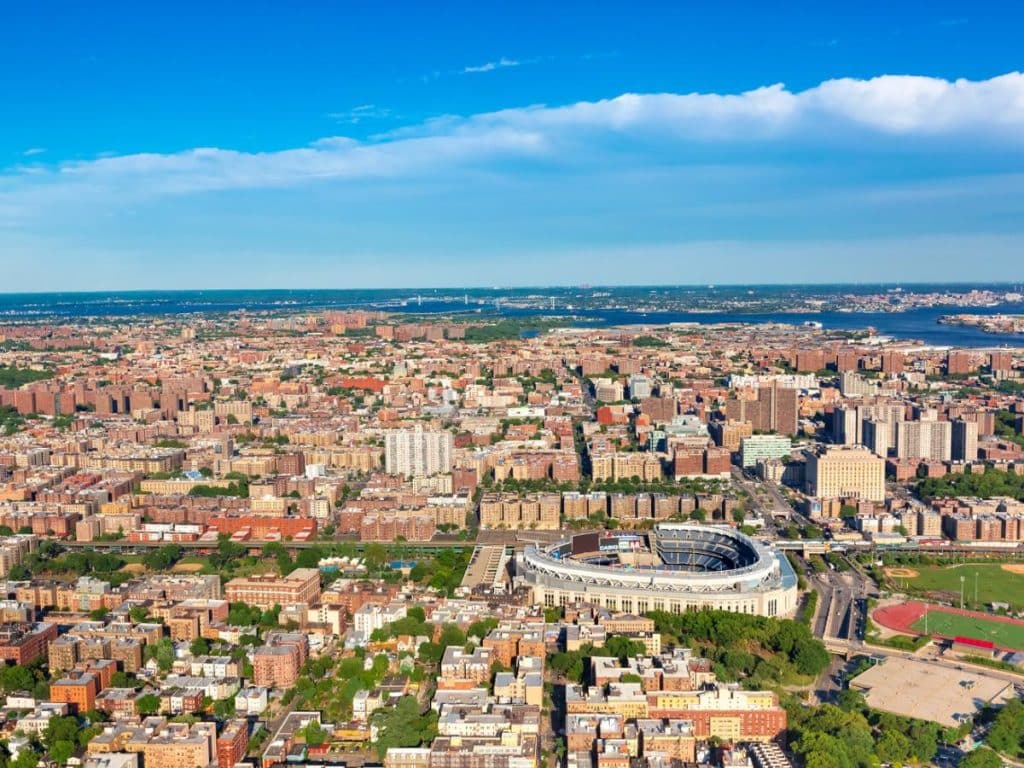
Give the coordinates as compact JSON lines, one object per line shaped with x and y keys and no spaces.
{"x":994,"y":583}
{"x":1002,"y":634}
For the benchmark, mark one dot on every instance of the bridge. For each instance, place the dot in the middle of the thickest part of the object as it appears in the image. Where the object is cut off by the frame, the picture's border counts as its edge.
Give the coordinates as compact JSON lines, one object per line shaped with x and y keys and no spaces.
{"x":821,"y":546}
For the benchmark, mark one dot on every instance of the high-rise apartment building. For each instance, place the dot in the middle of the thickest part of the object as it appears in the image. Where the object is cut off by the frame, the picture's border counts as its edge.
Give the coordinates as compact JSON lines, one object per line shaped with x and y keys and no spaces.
{"x":892,"y":362}
{"x":965,"y":440}
{"x":775,"y":410}
{"x":639,"y":386}
{"x":179,"y":745}
{"x":846,"y":426}
{"x":876,"y":436}
{"x":810,"y":359}
{"x":781,"y":406}
{"x":959,"y":362}
{"x":728,"y":434}
{"x":852,"y":384}
{"x":848,"y":423}
{"x":1001,"y":361}
{"x":925,"y":440}
{"x":929,"y":523}
{"x":417,"y":452}
{"x":847,"y":360}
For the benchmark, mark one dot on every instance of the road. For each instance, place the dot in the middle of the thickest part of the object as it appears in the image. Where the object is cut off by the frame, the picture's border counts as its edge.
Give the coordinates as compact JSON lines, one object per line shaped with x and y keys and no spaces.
{"x":780,"y":508}
{"x":928,"y":654}
{"x":848,"y":605}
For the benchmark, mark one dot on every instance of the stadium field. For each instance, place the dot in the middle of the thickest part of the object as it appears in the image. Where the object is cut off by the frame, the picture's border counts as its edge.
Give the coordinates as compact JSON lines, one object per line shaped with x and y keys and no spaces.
{"x":996,"y":582}
{"x":1005,"y":634}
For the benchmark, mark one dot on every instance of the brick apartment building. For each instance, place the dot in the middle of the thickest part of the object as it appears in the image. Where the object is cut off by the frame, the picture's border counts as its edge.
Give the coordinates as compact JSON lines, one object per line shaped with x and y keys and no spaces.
{"x":23,"y":643}
{"x":266,"y":590}
{"x":232,"y":743}
{"x":277,"y":662}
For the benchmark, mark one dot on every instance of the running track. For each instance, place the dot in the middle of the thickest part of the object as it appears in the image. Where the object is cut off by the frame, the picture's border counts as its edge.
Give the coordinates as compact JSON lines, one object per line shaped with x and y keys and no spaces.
{"x":901,"y":617}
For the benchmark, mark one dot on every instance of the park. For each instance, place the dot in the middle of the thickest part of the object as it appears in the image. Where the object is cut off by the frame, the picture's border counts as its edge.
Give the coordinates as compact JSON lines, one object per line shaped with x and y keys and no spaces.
{"x":982,"y":583}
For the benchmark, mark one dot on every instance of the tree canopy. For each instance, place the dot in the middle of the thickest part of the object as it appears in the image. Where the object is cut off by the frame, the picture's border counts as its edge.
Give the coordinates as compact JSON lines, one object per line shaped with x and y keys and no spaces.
{"x":404,"y":726}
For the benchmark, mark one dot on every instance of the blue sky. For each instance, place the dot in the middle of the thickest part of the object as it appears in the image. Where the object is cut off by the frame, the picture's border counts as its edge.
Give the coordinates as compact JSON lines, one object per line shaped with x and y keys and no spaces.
{"x":336,"y":145}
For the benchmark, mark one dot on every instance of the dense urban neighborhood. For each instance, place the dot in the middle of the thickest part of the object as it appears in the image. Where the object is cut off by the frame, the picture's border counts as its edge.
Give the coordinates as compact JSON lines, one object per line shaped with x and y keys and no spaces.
{"x":361,"y":538}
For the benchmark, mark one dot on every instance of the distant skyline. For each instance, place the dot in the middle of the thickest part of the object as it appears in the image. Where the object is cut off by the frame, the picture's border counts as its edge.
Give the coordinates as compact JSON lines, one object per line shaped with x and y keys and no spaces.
{"x":446,"y":290}
{"x":196,"y":147}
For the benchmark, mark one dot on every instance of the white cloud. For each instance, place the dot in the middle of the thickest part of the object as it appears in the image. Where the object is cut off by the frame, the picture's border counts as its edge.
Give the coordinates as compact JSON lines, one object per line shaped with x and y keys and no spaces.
{"x":490,"y":66}
{"x":891,"y":104}
{"x":846,"y":112}
{"x":904,"y":104}
{"x":361,"y":113}
{"x":32,"y":151}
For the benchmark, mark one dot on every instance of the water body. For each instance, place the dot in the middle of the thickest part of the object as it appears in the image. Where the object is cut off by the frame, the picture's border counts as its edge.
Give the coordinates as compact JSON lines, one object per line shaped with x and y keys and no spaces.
{"x":917,"y":324}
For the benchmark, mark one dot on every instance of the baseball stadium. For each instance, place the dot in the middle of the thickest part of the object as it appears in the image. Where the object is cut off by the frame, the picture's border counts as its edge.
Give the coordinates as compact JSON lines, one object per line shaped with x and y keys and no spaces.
{"x":674,"y":567}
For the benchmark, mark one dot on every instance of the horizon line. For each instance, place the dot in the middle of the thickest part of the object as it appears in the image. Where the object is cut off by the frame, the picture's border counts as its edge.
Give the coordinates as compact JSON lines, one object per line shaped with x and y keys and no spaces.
{"x":560,"y":286}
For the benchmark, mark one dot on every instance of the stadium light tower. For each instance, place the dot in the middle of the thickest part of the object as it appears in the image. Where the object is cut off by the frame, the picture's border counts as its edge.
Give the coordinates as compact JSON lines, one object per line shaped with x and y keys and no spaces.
{"x":962,"y":592}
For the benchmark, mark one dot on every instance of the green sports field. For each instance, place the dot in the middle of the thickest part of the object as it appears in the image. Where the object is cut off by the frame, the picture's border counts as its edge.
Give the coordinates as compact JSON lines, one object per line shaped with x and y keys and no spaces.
{"x":1003,"y":634}
{"x":993,"y":582}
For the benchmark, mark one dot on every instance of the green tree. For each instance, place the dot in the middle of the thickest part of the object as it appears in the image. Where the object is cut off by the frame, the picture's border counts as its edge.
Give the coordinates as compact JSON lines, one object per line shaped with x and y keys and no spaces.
{"x":122,"y":679}
{"x":375,"y":556}
{"x":16,"y":679}
{"x":451,"y":635}
{"x":314,"y":734}
{"x":162,"y":559}
{"x":892,"y":747}
{"x":243,"y":615}
{"x":138,"y":613}
{"x":60,"y":729}
{"x":480,"y":629}
{"x":163,"y":652}
{"x":982,"y":757}
{"x":1007,"y":732}
{"x":27,"y":758}
{"x":61,"y":751}
{"x":148,"y":704}
{"x":404,"y":726}
{"x":224,"y":708}
{"x":430,"y":653}
{"x":87,"y":734}
{"x":416,"y":612}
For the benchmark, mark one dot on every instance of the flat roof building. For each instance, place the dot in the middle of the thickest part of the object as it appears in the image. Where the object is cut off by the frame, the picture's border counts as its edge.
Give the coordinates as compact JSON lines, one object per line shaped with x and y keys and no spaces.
{"x":843,"y":471}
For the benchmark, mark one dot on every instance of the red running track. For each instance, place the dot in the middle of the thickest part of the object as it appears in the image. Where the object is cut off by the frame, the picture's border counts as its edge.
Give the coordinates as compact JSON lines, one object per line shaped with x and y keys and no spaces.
{"x":901,"y":617}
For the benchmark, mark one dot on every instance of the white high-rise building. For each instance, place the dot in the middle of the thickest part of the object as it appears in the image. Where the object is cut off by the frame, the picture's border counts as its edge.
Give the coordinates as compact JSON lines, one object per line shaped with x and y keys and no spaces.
{"x":639,"y":385}
{"x":854,"y":385}
{"x":965,"y":440}
{"x":848,"y":422}
{"x":417,"y":452}
{"x":924,"y":440}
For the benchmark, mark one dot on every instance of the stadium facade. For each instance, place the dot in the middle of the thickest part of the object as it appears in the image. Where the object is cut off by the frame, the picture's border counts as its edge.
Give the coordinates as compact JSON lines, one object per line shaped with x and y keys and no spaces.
{"x":675,"y":567}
